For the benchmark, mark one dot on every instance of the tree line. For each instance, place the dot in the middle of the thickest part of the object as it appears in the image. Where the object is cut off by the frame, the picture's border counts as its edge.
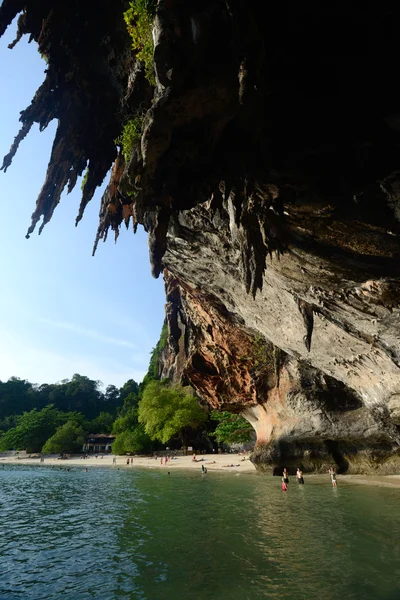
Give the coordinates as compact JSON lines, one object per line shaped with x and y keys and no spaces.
{"x":55,"y":418}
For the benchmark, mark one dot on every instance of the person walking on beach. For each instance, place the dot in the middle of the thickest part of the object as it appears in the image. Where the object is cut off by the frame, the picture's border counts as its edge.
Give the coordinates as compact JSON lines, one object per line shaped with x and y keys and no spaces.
{"x":285,"y":478}
{"x":299,"y":475}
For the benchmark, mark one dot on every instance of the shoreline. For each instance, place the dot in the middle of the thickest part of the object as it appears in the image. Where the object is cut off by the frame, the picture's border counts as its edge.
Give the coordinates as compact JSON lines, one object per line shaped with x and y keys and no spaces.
{"x":221,"y":463}
{"x":213,"y":462}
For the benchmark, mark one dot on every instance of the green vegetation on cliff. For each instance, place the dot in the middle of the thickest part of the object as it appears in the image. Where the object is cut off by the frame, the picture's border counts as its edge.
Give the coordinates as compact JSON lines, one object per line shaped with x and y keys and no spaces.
{"x":153,"y":370}
{"x":130,"y":136}
{"x":139,"y":21}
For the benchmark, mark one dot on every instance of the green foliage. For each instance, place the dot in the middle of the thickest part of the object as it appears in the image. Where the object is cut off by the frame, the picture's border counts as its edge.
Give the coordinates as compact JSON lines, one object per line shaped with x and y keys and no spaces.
{"x":45,"y":57}
{"x":268,"y":359}
{"x":128,"y":421}
{"x":262,"y":351}
{"x":152,"y":372}
{"x":85,"y":178}
{"x":16,"y":396}
{"x":132,"y":441}
{"x":103,"y":423}
{"x":68,"y":438}
{"x":131,"y":436}
{"x":33,"y":429}
{"x":130,"y":136}
{"x":80,"y":394}
{"x":130,"y":402}
{"x":169,"y":411}
{"x":129,"y":394}
{"x":27,"y":421}
{"x":9,"y":422}
{"x":231,"y":428}
{"x":139,"y":21}
{"x":264,"y":361}
{"x":130,"y":387}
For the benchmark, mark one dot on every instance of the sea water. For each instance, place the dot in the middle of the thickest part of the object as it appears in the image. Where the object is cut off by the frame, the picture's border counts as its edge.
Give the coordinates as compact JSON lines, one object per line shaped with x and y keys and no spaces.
{"x":146,"y":535}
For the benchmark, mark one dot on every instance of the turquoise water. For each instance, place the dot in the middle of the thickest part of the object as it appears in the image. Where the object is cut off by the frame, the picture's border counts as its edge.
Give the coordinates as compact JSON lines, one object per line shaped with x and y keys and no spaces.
{"x":143,"y":535}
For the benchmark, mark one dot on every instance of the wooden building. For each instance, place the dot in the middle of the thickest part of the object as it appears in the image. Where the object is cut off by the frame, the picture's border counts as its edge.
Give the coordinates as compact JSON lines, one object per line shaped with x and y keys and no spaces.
{"x":98,"y":442}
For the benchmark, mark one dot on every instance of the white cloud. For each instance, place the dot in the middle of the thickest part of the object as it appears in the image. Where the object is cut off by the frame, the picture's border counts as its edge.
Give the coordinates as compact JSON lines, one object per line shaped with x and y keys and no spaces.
{"x":96,"y":335}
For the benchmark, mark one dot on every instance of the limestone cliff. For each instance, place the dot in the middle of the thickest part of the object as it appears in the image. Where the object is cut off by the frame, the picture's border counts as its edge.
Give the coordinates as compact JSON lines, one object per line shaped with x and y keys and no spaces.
{"x":267,"y":174}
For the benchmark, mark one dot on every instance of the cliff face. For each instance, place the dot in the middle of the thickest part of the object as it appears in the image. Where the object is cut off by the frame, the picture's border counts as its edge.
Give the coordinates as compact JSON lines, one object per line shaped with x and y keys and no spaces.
{"x":267,"y":176}
{"x":327,"y":386}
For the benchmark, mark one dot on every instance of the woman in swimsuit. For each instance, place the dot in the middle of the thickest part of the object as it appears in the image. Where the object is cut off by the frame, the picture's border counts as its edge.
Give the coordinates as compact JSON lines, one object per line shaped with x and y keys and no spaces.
{"x":333,"y":477}
{"x":299,"y":475}
{"x":332,"y":473}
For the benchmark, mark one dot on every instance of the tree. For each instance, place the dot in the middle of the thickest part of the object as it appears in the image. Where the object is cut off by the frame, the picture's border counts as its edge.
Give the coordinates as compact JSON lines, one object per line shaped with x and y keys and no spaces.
{"x":130,"y":387}
{"x":112,"y":398}
{"x":153,"y":370}
{"x":83,"y":395}
{"x":131,"y":402}
{"x":33,"y":429}
{"x":128,"y":421}
{"x":231,"y":428}
{"x":136,"y":441}
{"x":16,"y":397}
{"x":103,"y":423}
{"x":69,"y":437}
{"x":169,"y":411}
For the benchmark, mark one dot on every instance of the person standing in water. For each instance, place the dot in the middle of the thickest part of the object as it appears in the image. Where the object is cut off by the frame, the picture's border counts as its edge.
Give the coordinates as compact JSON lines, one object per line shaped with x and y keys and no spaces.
{"x":299,"y":476}
{"x":332,"y":473}
{"x":285,"y":477}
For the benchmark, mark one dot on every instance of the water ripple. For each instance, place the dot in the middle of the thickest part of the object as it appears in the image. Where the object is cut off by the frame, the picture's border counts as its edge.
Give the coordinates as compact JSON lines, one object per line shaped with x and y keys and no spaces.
{"x":143,"y":535}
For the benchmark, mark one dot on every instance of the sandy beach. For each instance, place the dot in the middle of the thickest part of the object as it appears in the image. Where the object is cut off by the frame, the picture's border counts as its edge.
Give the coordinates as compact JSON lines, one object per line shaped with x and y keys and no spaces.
{"x":213,"y":462}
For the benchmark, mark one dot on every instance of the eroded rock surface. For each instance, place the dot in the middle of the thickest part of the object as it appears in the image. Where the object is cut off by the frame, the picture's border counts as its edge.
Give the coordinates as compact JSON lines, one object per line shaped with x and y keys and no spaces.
{"x":268,"y":178}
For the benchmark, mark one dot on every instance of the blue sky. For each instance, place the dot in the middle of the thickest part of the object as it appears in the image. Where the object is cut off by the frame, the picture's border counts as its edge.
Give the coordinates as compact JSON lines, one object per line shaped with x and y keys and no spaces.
{"x":61,"y":310}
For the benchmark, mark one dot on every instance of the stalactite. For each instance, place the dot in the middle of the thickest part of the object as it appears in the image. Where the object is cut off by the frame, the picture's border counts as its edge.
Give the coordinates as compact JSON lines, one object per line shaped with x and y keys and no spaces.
{"x":79,"y":42}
